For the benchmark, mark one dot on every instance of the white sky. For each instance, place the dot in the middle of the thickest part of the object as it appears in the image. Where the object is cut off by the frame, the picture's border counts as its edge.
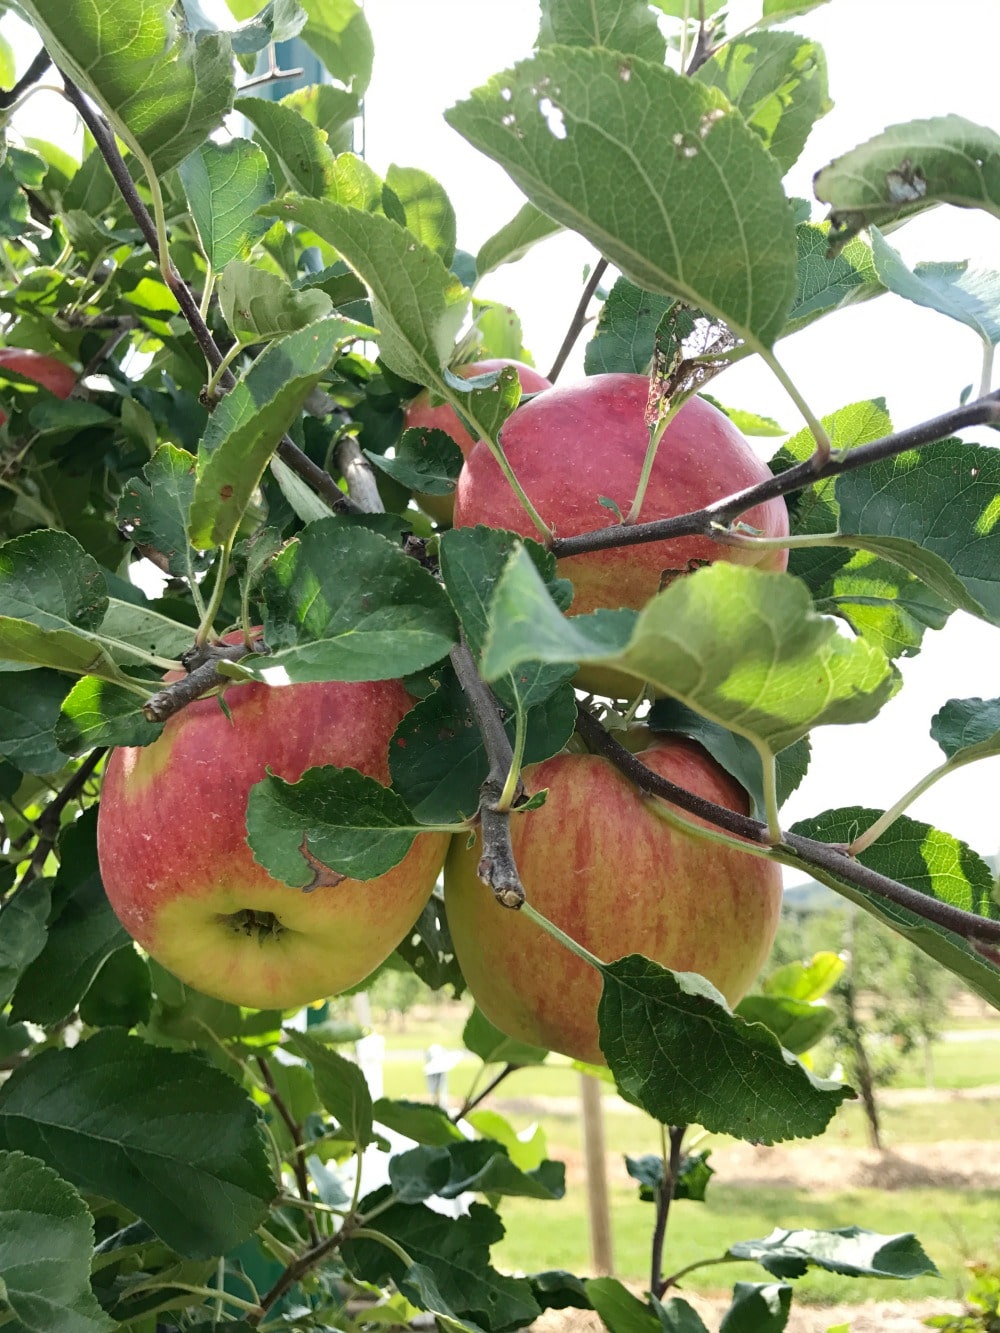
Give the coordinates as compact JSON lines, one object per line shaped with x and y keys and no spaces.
{"x":890,"y":61}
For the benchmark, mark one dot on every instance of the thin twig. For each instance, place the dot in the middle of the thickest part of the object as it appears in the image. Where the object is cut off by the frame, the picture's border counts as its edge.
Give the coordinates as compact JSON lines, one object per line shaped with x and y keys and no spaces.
{"x":793,"y":849}
{"x":294,"y":1272}
{"x":664,"y":1198}
{"x":295,"y":1132}
{"x":201,"y":678}
{"x":706,"y":522}
{"x":703,"y":46}
{"x":579,"y":320}
{"x":287,"y":450}
{"x":31,"y":75}
{"x":49,"y":822}
{"x":471,"y":1103}
{"x":497,"y":868}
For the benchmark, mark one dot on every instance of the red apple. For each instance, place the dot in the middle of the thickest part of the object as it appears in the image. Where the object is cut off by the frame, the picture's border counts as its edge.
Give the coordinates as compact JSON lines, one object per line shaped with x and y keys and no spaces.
{"x":599,"y":863}
{"x":574,"y":444}
{"x":442,"y":416}
{"x":51,"y":374}
{"x":182,"y":879}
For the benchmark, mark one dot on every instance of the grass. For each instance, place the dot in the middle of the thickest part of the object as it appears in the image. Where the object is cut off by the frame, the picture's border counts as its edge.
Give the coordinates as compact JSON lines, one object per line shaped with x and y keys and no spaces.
{"x":951,"y":1227}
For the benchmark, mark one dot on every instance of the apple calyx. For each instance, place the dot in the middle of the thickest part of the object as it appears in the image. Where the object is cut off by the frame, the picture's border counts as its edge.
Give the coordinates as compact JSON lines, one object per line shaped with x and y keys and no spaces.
{"x":250,"y":922}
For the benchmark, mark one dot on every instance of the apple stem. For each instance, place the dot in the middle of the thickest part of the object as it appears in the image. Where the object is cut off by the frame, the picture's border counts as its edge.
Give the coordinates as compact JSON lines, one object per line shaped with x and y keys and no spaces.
{"x":513,"y":782}
{"x":823,"y":446}
{"x":215,"y":601}
{"x":656,"y":434}
{"x":552,"y":929}
{"x":544,"y":531}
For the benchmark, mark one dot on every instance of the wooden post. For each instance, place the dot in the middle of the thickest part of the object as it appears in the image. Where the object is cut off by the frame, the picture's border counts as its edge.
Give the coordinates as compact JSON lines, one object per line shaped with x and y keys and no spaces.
{"x":598,"y":1207}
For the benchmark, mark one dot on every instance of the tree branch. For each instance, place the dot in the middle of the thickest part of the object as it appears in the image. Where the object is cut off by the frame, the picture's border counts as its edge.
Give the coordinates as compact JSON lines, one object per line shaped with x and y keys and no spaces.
{"x":578,"y":321}
{"x":49,"y":822}
{"x":31,"y":75}
{"x":980,"y":931}
{"x":664,"y":1198}
{"x":705,"y":522}
{"x":289,"y":452}
{"x":200,"y":678}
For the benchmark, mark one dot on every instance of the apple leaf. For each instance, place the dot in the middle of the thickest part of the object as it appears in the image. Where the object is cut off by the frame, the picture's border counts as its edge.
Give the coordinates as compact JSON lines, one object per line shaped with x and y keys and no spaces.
{"x":967,"y":729}
{"x":629,"y":28}
{"x":83,"y":934}
{"x":456,"y":1253}
{"x":479,"y":1166}
{"x":910,"y":167}
{"x":341,"y":1086}
{"x":47,"y":578}
{"x":344,"y":603}
{"x":488,"y":399}
{"x":884,"y":604}
{"x":625,"y":337}
{"x":105,"y":1115}
{"x":417,"y":304}
{"x":259,"y":306}
{"x":778,"y":11}
{"x":225,"y":184}
{"x":296,"y":149}
{"x":28,"y":719}
{"x":164,"y":88}
{"x":337,"y":817}
{"x":622,"y":1312}
{"x":758,"y":1307}
{"x":419,"y":1121}
{"x":338,"y":32}
{"x":797,"y":1024}
{"x":826,"y":282}
{"x":426,"y":207}
{"x":527,"y":227}
{"x":970,"y":296}
{"x":742,"y":647}
{"x":693,"y":1175}
{"x":425,"y":459}
{"x":22,"y":935}
{"x":807,"y":981}
{"x":777,"y":81}
{"x":930,"y":861}
{"x":63,"y":650}
{"x":121,"y":994}
{"x":571,"y":127}
{"x":494,"y":1047}
{"x":153,"y":510}
{"x":851,"y":1251}
{"x":96,"y":712}
{"x":46,"y":1246}
{"x":428,"y":950}
{"x":246,"y":426}
{"x":896,"y":509}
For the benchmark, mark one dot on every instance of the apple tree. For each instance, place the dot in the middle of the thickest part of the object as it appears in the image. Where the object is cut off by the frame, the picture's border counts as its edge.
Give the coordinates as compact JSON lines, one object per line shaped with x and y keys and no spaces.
{"x":216,"y":320}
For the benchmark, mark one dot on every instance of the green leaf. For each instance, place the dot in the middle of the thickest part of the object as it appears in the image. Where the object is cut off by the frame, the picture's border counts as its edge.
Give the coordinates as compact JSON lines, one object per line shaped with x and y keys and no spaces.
{"x":930,"y":861}
{"x":677,"y":1050}
{"x":22,"y":935}
{"x":628,"y":26}
{"x":417,"y":304}
{"x":247,"y":425}
{"x":132,"y":630}
{"x":84,"y":933}
{"x":426,"y":207}
{"x":758,"y":1307}
{"x":777,"y":81}
{"x":331,"y":824}
{"x":527,"y":227}
{"x":429,"y":952}
{"x":934,"y":511}
{"x":826,"y":282}
{"x":121,"y":994}
{"x":225,"y":184}
{"x":625,"y":337}
{"x":527,"y":1148}
{"x":487,"y":399}
{"x":153,"y":509}
{"x":479,"y":1166}
{"x":46,"y":1243}
{"x":777,"y":11}
{"x":163,"y":88}
{"x":970,"y":296}
{"x":455,"y":1251}
{"x":571,"y":127}
{"x":259,"y":306}
{"x":341,"y":1086}
{"x":105,"y":1115}
{"x":28,"y":718}
{"x":740,"y":646}
{"x":278,"y":21}
{"x":889,"y":607}
{"x":495,"y":1047}
{"x":96,"y":712}
{"x":967,"y":729}
{"x":796,"y":1024}
{"x":806,"y":981}
{"x":851,"y":1251}
{"x":418,"y":1120}
{"x":343,"y":603}
{"x":48,"y":579}
{"x":621,"y":1312}
{"x":425,"y":460}
{"x":297,"y":150}
{"x":338,"y":32}
{"x":331,"y":110}
{"x":907,"y":168}
{"x":692,"y":1179}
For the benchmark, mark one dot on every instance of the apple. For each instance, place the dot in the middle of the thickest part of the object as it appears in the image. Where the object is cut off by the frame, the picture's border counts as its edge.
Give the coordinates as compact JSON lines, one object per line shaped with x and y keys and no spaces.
{"x":575,"y":444}
{"x":598,"y":862}
{"x":442,"y":416}
{"x":179,"y":872}
{"x":51,"y":374}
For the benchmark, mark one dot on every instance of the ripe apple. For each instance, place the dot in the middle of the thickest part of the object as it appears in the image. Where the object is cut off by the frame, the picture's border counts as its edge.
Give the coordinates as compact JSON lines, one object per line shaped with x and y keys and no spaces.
{"x":181,"y":877}
{"x":574,"y":444}
{"x":599,"y":863}
{"x":51,"y":374}
{"x":442,"y":416}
